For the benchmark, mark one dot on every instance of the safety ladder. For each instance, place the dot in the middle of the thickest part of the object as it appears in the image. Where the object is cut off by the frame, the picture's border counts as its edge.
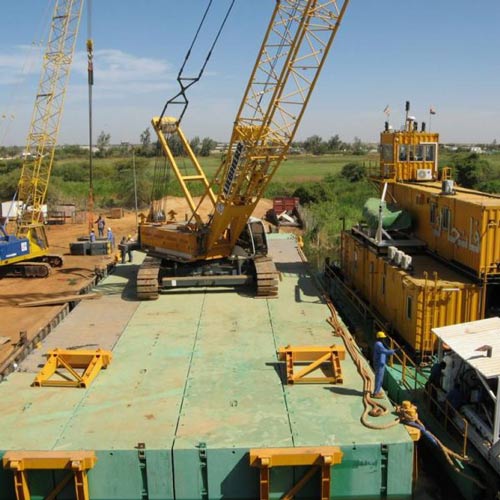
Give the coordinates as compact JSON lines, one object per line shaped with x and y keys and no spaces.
{"x":76,"y":462}
{"x":320,"y":458}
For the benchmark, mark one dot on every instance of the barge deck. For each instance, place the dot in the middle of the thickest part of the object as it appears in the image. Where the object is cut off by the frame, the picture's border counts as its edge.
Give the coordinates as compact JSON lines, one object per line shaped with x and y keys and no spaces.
{"x":193,"y":386}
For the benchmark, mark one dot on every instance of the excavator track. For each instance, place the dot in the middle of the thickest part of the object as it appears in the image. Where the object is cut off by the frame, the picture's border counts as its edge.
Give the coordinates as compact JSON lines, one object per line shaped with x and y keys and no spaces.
{"x":267,"y":277}
{"x":26,"y":270}
{"x":55,"y":260}
{"x":147,"y":279}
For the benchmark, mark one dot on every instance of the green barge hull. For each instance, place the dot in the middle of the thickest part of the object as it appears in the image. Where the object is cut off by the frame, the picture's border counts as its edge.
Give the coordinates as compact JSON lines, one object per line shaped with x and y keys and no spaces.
{"x":193,"y":386}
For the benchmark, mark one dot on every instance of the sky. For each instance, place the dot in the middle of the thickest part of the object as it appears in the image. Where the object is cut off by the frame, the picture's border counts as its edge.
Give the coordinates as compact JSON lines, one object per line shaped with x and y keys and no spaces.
{"x":442,"y":54}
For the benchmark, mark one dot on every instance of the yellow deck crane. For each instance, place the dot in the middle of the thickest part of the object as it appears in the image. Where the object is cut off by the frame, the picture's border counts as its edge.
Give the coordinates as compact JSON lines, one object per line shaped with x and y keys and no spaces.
{"x":229,"y":247}
{"x":26,"y":253}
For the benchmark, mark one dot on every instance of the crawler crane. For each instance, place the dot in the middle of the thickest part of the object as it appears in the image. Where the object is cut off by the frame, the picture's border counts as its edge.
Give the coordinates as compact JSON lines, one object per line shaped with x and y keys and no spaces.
{"x":229,"y":247}
{"x":26,"y":253}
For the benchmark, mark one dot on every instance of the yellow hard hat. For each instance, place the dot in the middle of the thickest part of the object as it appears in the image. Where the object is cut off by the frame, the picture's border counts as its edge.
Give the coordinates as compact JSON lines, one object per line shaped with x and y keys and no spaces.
{"x":381,"y":335}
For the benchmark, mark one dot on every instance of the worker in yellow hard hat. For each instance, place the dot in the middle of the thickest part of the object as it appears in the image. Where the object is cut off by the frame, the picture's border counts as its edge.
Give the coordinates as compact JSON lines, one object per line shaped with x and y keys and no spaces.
{"x":380,"y":354}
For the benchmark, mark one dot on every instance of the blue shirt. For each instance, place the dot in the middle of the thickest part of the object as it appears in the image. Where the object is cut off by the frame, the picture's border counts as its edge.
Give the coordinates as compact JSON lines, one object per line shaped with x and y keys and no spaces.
{"x":380,"y":353}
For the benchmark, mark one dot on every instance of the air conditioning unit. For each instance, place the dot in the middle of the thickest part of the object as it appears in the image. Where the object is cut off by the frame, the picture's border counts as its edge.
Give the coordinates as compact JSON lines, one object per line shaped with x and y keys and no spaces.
{"x":424,"y":174}
{"x":391,"y":252}
{"x":406,"y":262}
{"x":398,"y":257}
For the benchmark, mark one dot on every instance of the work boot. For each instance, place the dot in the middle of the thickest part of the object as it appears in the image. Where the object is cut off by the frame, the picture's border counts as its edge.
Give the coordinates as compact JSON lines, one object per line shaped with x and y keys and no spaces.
{"x":378,"y":395}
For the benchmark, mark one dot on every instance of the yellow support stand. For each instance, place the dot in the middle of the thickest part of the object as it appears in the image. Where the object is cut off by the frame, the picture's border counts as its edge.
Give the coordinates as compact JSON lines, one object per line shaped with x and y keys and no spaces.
{"x":316,"y":356}
{"x":77,"y":462}
{"x":319,"y":458}
{"x":89,"y":363}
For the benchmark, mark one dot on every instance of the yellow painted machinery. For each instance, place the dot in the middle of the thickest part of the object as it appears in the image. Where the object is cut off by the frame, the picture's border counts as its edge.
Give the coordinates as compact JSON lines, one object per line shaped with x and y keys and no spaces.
{"x":441,"y":269}
{"x":26,"y":253}
{"x":229,"y":247}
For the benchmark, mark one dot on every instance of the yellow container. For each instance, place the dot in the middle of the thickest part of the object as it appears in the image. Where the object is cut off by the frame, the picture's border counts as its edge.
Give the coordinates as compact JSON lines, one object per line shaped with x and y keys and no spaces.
{"x":463,"y":227}
{"x":413,"y":303}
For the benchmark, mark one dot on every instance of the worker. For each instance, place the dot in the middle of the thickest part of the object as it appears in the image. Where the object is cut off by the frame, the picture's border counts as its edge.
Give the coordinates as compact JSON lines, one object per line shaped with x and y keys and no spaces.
{"x":123,"y":247}
{"x":92,"y":236}
{"x":100,"y":225}
{"x":129,"y":247}
{"x":111,"y":238}
{"x":380,"y":353}
{"x":434,"y":383}
{"x":435,"y":375}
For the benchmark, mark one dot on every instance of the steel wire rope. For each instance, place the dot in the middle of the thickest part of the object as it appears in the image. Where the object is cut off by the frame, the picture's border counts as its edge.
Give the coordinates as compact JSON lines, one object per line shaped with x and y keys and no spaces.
{"x":258,"y":103}
{"x":161,"y":179}
{"x":193,"y":80}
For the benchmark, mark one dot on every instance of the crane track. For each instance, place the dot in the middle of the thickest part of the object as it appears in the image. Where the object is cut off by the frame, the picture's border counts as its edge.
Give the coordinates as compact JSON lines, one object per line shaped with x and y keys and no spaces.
{"x":267,"y":277}
{"x":147,"y":279}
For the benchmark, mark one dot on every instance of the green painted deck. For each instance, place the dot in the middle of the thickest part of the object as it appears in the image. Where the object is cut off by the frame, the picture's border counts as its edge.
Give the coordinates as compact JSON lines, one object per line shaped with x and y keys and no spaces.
{"x":195,"y":377}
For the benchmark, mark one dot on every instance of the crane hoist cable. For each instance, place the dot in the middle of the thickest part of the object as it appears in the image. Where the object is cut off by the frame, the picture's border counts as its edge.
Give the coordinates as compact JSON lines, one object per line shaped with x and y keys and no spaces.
{"x":160,"y":178}
{"x":186,"y":82}
{"x":90,"y":74}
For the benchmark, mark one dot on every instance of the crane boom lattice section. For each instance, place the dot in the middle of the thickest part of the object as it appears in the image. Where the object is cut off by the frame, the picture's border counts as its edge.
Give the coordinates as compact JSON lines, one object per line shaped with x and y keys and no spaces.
{"x":291,"y":57}
{"x":47,"y":112}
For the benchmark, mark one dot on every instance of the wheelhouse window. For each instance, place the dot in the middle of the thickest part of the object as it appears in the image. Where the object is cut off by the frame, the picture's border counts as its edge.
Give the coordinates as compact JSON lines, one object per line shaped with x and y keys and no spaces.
{"x":430,"y":152}
{"x":387,"y":153}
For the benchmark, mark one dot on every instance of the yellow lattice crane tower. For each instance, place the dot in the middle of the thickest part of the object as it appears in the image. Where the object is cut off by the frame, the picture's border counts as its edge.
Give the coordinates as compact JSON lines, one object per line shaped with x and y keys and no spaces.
{"x":27,"y":252}
{"x":229,"y":247}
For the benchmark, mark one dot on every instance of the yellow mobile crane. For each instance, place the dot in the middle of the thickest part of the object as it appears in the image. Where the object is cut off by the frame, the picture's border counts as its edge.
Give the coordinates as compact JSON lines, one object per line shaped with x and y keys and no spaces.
{"x":229,"y":247}
{"x":26,"y":253}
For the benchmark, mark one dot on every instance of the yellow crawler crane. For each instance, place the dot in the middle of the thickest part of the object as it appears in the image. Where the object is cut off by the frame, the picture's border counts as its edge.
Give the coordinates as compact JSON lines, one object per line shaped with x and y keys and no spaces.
{"x":26,"y":253}
{"x":229,"y":247}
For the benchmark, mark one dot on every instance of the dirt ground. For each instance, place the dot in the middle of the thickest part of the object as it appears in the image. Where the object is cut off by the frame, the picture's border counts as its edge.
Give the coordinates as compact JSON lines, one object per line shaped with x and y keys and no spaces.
{"x":77,"y":273}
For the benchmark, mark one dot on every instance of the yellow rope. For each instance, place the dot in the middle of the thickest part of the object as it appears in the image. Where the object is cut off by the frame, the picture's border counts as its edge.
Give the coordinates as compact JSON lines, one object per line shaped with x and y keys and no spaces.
{"x":372,"y":407}
{"x":406,"y":412}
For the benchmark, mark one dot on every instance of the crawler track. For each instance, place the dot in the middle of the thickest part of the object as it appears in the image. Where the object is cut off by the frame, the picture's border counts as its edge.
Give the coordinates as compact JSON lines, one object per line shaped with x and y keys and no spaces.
{"x":147,"y":279}
{"x":266,"y":277}
{"x":26,"y":270}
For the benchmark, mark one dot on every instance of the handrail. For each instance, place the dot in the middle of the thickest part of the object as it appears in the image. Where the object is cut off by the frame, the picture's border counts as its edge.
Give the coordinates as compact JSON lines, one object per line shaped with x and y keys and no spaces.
{"x":450,"y":414}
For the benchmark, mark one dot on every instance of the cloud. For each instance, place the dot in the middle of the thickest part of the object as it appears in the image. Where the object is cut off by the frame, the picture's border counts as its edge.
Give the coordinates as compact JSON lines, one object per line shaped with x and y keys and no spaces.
{"x":19,"y":63}
{"x":119,"y":75}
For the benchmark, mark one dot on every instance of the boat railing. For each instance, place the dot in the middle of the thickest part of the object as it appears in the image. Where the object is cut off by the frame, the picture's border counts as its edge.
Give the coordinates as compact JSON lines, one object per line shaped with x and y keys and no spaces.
{"x":446,"y":173}
{"x":449,"y":417}
{"x":387,"y":172}
{"x":412,"y":376}
{"x":359,"y":304}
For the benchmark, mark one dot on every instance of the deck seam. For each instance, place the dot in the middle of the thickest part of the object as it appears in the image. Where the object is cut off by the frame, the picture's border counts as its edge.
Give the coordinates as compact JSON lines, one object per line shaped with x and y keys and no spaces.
{"x":282,"y":385}
{"x":185,"y":390}
{"x":91,"y":388}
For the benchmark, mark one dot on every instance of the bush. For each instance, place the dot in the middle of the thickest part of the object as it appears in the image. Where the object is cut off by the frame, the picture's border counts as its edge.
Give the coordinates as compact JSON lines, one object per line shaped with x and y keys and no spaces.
{"x":311,"y":193}
{"x":471,"y":170}
{"x":353,"y":172}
